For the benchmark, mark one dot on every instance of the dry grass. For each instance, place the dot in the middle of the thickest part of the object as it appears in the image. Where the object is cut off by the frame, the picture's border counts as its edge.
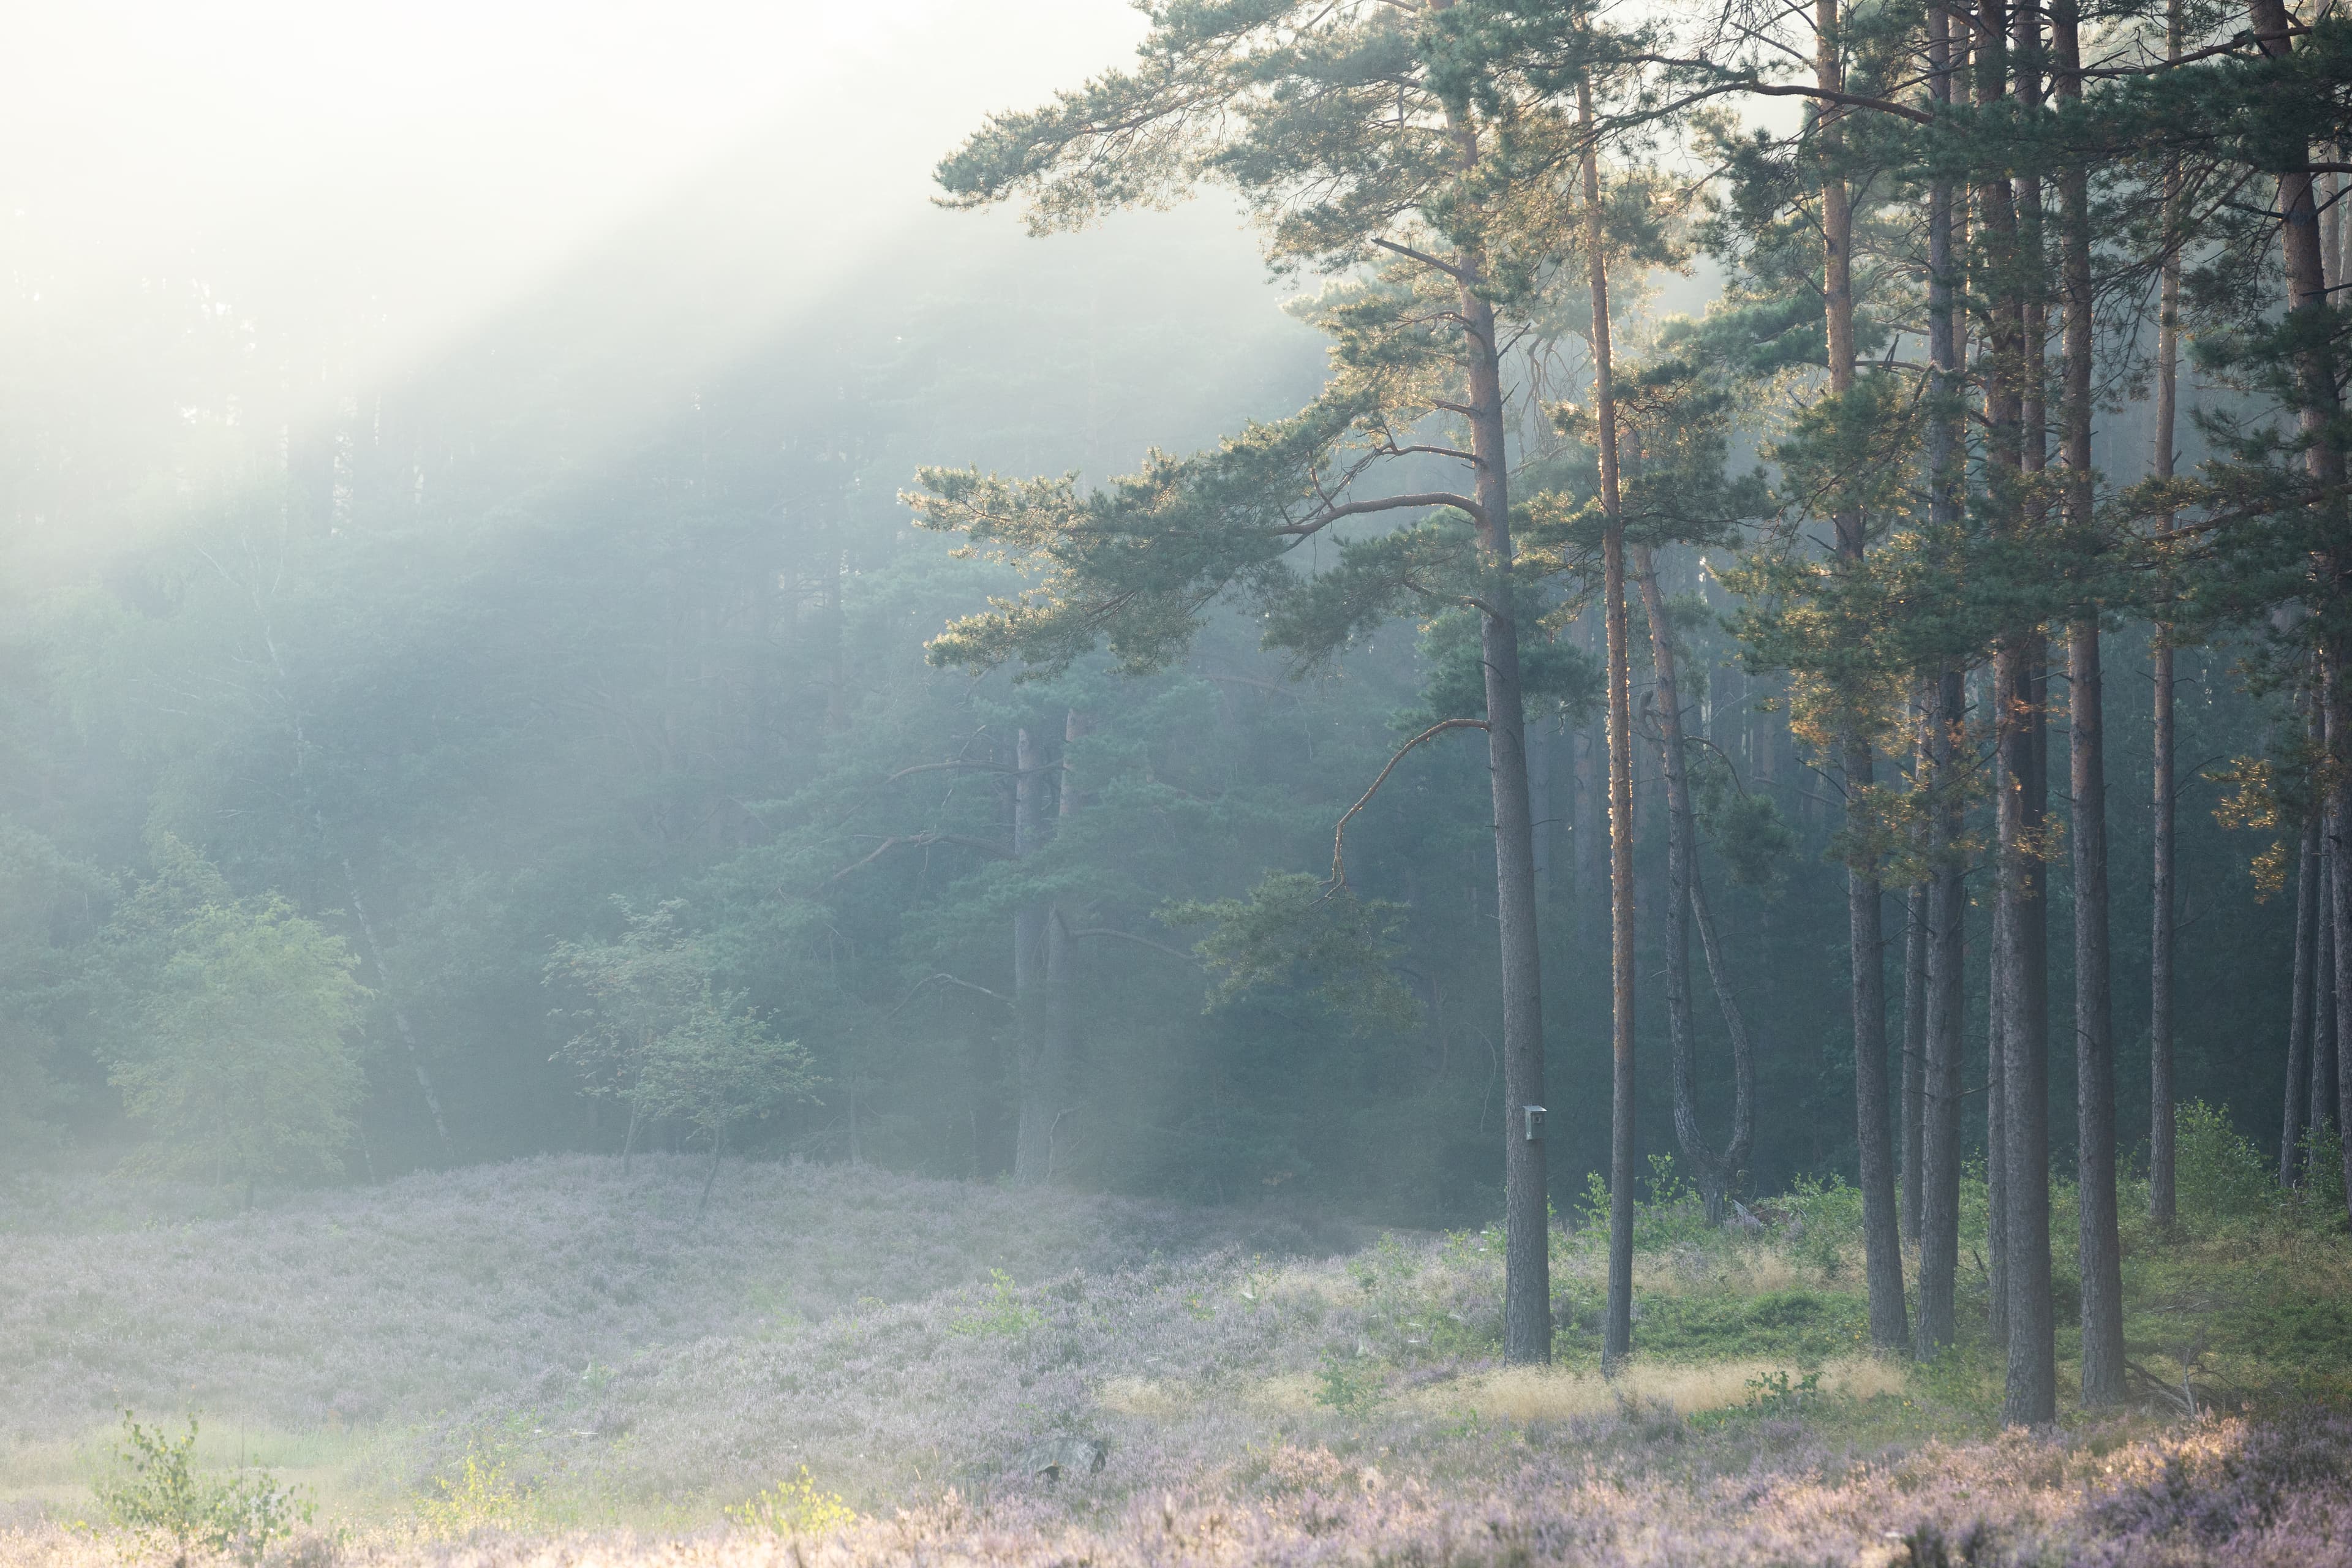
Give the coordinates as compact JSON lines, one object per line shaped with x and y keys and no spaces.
{"x":2220,"y":1494}
{"x":1523,"y":1393}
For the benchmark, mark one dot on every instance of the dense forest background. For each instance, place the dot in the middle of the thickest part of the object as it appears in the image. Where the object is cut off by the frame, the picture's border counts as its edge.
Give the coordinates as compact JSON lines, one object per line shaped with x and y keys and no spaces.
{"x":608,"y":619}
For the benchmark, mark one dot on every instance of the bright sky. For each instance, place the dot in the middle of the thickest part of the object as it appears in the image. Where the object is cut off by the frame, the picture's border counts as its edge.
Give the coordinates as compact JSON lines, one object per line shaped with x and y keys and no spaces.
{"x":439,"y":154}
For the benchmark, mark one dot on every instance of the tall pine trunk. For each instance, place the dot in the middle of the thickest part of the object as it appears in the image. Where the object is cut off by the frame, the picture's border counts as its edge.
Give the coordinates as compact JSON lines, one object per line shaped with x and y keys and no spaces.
{"x":1031,"y":1147}
{"x":1939,"y":1116}
{"x":2162,"y":900}
{"x":2098,"y":1242}
{"x":1617,"y":1334}
{"x":1526,"y":1203}
{"x":2300,"y":1017}
{"x":2322,"y":1111}
{"x":1915,"y":1023}
{"x":1939,"y":1207}
{"x":1881,"y":1236}
{"x":1687,"y":894}
{"x":2030,"y":1393}
{"x":2003,"y":414}
{"x":2317,"y":408}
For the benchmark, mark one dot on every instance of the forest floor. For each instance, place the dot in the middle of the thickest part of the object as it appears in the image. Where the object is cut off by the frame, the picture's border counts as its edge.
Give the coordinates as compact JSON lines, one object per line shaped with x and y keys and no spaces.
{"x":553,"y":1361}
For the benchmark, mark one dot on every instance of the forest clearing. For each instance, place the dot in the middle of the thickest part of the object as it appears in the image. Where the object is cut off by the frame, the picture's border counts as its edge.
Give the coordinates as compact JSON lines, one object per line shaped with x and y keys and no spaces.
{"x":1392,"y":783}
{"x":550,"y":1362}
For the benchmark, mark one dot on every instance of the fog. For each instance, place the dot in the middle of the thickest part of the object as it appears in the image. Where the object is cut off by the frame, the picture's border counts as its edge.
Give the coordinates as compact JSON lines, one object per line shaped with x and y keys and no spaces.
{"x":358,"y":193}
{"x":703,"y":863}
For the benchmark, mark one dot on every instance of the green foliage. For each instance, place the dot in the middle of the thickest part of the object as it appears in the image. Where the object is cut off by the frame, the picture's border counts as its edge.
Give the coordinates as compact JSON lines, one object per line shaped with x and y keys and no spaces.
{"x":232,"y":1018}
{"x":1003,"y":1314}
{"x":158,"y":1495}
{"x":1293,"y":929}
{"x":1806,"y":1327}
{"x":2219,"y":1175}
{"x":1827,"y":1219}
{"x":1772,"y":1393}
{"x":481,"y":1495}
{"x":1350,"y":1384}
{"x":1744,"y":827}
{"x":658,"y":1034}
{"x":2320,"y":1198}
{"x":1670,"y":1216}
{"x":794,"y":1506}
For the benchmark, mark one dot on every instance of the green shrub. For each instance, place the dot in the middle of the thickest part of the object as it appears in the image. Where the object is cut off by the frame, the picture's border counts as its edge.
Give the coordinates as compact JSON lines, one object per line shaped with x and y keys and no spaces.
{"x":2320,"y":1199}
{"x":2216,"y":1173}
{"x":159,"y":1496}
{"x":1672,"y":1214}
{"x":794,"y":1507}
{"x":1828,"y":1222}
{"x":1348,"y":1384}
{"x":478,"y":1496}
{"x":1004,"y":1313}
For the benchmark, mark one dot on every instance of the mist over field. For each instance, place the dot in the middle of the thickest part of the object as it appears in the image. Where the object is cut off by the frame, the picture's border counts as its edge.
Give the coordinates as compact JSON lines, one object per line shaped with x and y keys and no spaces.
{"x":1417,"y":781}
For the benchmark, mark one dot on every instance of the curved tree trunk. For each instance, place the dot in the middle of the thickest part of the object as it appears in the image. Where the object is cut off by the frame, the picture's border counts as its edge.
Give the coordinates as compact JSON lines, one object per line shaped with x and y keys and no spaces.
{"x":1716,"y":1172}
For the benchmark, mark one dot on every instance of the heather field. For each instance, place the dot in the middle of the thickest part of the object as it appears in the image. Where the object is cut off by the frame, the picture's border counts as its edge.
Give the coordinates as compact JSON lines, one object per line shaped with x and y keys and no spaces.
{"x":553,"y":1361}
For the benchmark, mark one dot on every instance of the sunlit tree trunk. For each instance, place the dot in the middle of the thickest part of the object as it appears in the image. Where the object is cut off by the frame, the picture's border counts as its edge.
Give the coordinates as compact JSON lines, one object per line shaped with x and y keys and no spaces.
{"x":1526,"y":1203}
{"x":1617,"y":1336}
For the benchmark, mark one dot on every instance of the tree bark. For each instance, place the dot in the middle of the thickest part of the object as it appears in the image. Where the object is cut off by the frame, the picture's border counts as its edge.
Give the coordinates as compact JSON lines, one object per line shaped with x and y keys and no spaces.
{"x":1527,"y":1305}
{"x":2301,"y":1008}
{"x":2316,"y":409}
{"x":1939,"y":1121}
{"x":1058,"y":1047}
{"x":1617,"y":1337}
{"x":2003,"y":412}
{"x":1526,"y":1204}
{"x":1939,"y":1209}
{"x":1881,"y":1228}
{"x":2098,"y":1241}
{"x":2030,"y":1393}
{"x":2322,"y":1111}
{"x":2030,"y":1396}
{"x":2162,"y":900}
{"x":1032,"y":1128}
{"x":1687,"y":895}
{"x":1914,"y":1034}
{"x":1997,"y":1022}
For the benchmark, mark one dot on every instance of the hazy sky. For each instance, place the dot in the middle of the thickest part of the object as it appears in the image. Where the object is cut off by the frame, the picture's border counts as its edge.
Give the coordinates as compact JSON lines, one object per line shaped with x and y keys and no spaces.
{"x":438,"y":155}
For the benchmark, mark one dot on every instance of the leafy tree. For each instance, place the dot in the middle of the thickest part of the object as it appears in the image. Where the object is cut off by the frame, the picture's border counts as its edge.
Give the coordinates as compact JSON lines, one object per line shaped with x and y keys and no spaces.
{"x":658,"y":1034}
{"x":233,"y":1021}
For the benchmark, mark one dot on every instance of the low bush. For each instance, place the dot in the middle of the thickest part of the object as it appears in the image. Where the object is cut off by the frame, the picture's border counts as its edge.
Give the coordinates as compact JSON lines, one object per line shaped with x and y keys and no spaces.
{"x":2219,"y":1175}
{"x":158,"y":1496}
{"x":794,"y":1507}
